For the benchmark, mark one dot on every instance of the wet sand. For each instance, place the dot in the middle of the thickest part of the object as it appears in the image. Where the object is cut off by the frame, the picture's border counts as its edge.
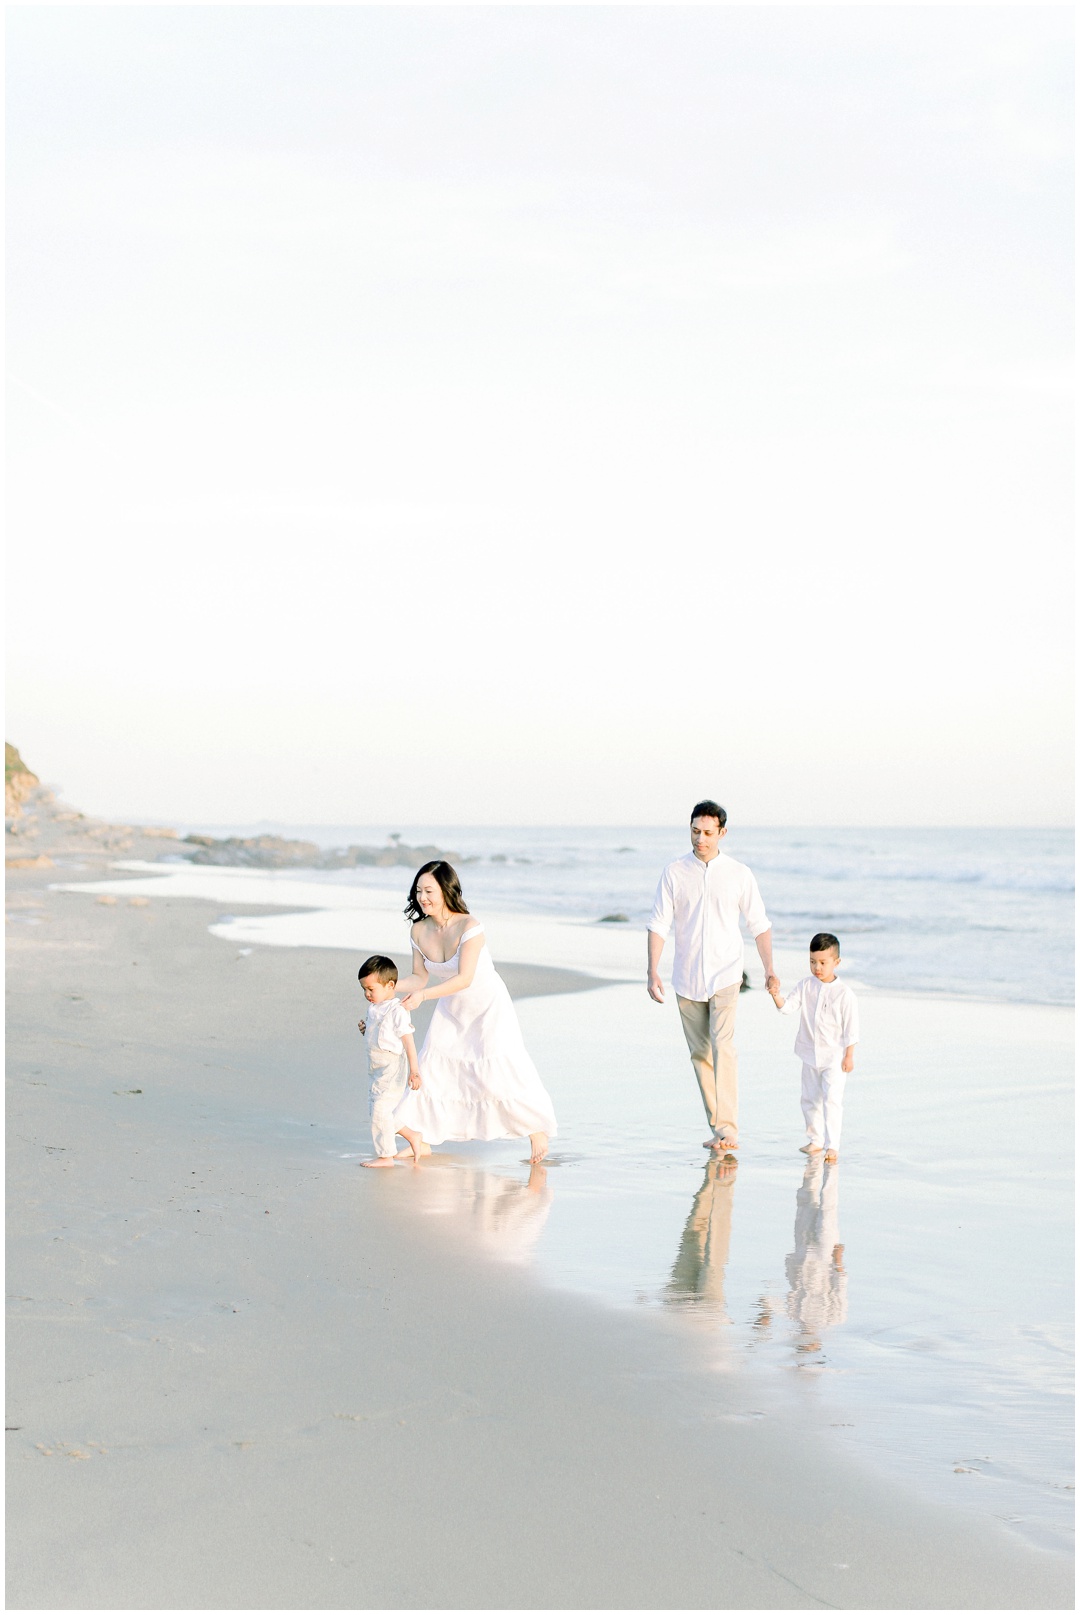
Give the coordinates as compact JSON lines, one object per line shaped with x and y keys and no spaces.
{"x":245,"y":1374}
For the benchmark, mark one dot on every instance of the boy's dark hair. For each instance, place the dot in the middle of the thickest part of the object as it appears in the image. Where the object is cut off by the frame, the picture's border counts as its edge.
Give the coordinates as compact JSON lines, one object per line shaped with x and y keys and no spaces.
{"x":449,"y":885}
{"x":823,"y":940}
{"x":708,"y":810}
{"x":379,"y":966}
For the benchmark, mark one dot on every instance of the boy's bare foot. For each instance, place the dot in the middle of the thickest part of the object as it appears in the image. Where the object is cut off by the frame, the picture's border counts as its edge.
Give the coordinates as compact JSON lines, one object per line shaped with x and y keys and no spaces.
{"x":810,"y":1149}
{"x":380,"y":1160}
{"x":539,"y":1142}
{"x":831,"y":1155}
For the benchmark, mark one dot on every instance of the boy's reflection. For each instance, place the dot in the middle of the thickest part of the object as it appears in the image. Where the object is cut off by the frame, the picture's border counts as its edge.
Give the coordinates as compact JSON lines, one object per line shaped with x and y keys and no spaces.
{"x":698,"y":1273}
{"x":817,"y":1280}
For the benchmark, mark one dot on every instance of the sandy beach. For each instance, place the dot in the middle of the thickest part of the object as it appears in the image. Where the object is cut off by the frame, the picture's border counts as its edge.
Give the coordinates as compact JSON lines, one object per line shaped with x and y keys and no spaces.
{"x":245,"y":1374}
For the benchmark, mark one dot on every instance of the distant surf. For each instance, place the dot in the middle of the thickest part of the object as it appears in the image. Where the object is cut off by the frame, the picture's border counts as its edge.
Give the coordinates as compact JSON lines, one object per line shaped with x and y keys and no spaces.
{"x":985,"y":913}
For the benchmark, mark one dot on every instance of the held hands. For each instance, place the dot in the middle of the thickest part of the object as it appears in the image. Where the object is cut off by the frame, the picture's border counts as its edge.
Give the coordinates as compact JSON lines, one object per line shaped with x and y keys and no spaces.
{"x":656,"y":989}
{"x":772,"y":985}
{"x":413,"y":1001}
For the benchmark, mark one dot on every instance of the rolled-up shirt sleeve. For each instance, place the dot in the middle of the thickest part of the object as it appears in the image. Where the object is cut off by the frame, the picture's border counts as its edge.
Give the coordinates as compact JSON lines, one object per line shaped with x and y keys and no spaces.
{"x":753,"y":909}
{"x":663,"y":910}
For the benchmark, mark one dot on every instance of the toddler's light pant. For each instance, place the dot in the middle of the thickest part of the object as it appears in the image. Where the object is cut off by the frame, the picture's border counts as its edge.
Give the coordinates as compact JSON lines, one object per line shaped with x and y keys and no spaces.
{"x":388,"y":1084}
{"x":709,"y":1029}
{"x":823,"y":1103}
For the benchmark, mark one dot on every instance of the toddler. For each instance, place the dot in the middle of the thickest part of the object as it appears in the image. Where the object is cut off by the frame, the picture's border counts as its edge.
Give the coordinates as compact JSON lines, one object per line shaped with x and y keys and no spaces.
{"x":826,"y":1039}
{"x":391,"y":1052}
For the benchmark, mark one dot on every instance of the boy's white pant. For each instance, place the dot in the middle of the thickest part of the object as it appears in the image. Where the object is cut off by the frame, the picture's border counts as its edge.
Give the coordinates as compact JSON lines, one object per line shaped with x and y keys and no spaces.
{"x":823,"y":1103}
{"x":388,"y":1084}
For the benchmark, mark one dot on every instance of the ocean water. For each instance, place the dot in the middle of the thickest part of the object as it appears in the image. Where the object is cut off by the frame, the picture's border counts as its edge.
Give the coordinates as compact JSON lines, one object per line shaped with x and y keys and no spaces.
{"x":985,"y":913}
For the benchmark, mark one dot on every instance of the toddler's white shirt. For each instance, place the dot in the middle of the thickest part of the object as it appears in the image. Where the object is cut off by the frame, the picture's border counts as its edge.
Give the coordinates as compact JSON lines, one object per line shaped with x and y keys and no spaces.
{"x":387,"y":1023}
{"x":828,"y":1019}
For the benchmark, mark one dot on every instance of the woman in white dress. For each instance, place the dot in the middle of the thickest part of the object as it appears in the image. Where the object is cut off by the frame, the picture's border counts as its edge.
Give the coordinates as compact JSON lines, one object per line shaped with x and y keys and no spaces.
{"x":476,"y":1077}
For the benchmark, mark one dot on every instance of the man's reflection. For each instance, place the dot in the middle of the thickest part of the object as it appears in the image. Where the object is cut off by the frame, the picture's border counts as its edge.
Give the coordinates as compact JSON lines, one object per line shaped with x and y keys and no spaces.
{"x":698,"y":1273}
{"x":817,"y":1280}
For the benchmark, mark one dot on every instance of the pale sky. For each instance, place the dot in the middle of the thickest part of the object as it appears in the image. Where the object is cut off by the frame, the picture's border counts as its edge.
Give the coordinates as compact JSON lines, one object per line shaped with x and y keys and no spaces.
{"x":542,"y":414}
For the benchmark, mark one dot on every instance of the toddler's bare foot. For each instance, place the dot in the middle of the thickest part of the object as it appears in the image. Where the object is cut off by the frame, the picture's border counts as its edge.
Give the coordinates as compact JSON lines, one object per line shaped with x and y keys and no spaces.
{"x":380,"y":1160}
{"x":810,"y":1149}
{"x":539,"y":1142}
{"x":830,"y":1155}
{"x":725,"y":1144}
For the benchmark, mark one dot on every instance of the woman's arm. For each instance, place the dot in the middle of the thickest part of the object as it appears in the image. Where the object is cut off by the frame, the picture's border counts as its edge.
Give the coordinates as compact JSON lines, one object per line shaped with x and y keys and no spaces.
{"x":409,"y":986}
{"x":470,"y":953}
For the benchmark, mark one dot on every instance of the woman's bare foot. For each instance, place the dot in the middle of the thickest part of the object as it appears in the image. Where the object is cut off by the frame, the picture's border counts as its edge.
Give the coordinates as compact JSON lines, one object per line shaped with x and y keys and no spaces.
{"x":539,"y":1142}
{"x":380,"y":1160}
{"x":725,"y":1143}
{"x":417,"y":1147}
{"x":810,"y":1149}
{"x":831,"y":1155}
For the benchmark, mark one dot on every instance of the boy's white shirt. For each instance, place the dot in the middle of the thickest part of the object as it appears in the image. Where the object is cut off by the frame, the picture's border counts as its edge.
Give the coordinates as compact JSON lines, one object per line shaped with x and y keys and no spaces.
{"x":386,"y":1024}
{"x":828,"y":1019}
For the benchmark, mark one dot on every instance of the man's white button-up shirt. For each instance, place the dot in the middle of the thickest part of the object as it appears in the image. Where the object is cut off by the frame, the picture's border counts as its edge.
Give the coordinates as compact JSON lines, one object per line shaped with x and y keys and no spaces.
{"x":702,"y":903}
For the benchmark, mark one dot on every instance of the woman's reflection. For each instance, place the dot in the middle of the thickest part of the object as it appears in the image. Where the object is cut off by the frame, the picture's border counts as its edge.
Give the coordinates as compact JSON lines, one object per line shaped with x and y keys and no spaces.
{"x":509,"y":1215}
{"x":817,"y":1280}
{"x":698,"y":1274}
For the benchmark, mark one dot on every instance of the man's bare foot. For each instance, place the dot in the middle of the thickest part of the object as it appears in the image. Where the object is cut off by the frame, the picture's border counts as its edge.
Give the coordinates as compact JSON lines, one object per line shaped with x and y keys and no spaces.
{"x":810,"y":1149}
{"x":725,"y":1143}
{"x":831,"y":1155}
{"x":380,"y":1160}
{"x":539,"y":1142}
{"x":417,"y":1147}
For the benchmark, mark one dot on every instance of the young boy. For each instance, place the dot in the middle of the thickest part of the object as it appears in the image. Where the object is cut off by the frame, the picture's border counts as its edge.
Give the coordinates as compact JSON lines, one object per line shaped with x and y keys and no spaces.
{"x":828,"y":1033}
{"x":391,"y":1052}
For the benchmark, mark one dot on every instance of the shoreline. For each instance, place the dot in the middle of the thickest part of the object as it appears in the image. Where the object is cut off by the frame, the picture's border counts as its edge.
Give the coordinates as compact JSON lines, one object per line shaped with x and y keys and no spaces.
{"x":606,"y":952}
{"x":214,"y":1373}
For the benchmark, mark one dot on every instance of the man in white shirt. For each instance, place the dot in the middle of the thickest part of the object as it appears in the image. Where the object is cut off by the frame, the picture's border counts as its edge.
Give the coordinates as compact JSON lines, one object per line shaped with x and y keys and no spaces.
{"x":701,"y":898}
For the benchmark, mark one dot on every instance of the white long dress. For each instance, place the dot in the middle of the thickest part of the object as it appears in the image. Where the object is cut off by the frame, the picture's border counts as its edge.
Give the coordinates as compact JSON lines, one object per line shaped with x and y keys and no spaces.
{"x":477,"y":1080}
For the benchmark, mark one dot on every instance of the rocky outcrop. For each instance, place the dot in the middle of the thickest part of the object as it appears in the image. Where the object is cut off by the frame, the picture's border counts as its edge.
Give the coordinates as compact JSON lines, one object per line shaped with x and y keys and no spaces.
{"x":41,"y":831}
{"x":19,"y":782}
{"x":277,"y":852}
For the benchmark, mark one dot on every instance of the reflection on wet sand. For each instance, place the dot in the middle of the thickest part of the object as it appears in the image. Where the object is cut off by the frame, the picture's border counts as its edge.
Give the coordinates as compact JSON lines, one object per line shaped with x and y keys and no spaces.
{"x":505,"y":1215}
{"x":817,"y":1280}
{"x":698,"y":1273}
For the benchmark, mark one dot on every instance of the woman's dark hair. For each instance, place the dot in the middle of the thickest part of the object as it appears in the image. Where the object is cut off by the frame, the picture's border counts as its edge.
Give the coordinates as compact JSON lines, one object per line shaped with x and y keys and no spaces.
{"x":449,"y":885}
{"x":708,"y":810}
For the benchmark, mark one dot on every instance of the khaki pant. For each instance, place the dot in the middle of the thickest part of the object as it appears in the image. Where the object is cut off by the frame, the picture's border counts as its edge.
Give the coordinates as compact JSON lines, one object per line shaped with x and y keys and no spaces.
{"x":709,"y":1029}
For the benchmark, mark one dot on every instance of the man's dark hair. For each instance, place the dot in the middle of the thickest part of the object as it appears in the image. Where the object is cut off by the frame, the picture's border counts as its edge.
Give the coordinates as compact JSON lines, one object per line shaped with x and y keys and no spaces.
{"x":823,"y":941}
{"x":708,"y":810}
{"x":379,"y":966}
